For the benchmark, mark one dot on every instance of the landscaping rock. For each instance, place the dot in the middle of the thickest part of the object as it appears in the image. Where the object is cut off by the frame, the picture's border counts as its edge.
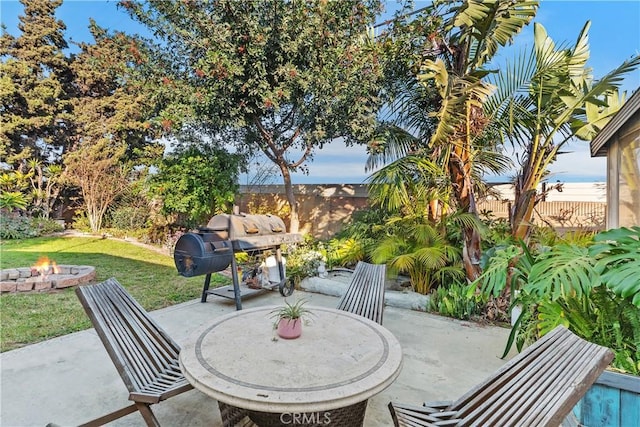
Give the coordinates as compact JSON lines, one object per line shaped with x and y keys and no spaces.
{"x":8,"y":287}
{"x":337,"y":286}
{"x":26,"y":286}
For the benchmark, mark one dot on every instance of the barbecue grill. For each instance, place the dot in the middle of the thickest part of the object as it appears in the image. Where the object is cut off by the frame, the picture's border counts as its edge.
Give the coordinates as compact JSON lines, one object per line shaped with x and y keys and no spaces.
{"x":212,"y":248}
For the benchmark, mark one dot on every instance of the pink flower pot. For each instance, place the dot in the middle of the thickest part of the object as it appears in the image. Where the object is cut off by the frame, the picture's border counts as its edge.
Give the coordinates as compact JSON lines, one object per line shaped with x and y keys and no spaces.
{"x":289,"y":328}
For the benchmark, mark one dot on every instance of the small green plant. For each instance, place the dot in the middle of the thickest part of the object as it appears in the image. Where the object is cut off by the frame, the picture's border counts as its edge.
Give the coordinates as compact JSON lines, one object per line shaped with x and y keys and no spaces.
{"x":291,"y":311}
{"x":452,"y":301}
{"x":304,"y":260}
{"x":345,"y":251}
{"x":81,"y":222}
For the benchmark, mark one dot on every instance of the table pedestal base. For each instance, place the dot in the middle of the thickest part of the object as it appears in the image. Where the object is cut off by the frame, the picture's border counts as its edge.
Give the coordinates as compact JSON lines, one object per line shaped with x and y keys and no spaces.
{"x":232,"y":416}
{"x":350,"y":416}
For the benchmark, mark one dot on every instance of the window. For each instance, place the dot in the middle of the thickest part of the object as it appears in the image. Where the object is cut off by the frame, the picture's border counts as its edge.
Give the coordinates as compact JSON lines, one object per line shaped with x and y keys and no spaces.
{"x":629,"y":179}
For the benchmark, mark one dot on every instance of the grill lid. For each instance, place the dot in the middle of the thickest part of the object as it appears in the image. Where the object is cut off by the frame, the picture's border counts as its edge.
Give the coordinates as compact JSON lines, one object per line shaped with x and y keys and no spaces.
{"x":247,"y":225}
{"x":250,"y":232}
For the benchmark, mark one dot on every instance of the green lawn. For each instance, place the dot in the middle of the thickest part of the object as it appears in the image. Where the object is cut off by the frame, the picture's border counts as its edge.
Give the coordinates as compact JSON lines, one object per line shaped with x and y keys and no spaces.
{"x":149,"y":276}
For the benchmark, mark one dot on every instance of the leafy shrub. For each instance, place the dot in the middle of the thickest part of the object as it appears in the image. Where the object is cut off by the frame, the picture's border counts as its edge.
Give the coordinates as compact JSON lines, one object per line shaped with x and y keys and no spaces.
{"x":46,"y":226}
{"x":412,"y":244}
{"x":195,"y":181}
{"x":128,"y":218}
{"x":81,"y":222}
{"x":497,"y":230}
{"x":452,"y":301}
{"x":23,"y":227}
{"x":16,"y":227}
{"x":416,"y":247}
{"x":358,"y":238}
{"x":601,"y":317}
{"x":12,"y":200}
{"x":590,"y":285}
{"x":345,"y":252}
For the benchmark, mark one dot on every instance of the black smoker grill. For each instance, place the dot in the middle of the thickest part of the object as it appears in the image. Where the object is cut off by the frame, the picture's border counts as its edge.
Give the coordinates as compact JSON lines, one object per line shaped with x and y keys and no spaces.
{"x":212,"y":249}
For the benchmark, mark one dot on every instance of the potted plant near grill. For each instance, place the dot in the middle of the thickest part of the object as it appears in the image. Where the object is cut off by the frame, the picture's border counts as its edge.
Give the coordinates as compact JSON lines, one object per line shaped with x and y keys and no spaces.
{"x":289,"y":319}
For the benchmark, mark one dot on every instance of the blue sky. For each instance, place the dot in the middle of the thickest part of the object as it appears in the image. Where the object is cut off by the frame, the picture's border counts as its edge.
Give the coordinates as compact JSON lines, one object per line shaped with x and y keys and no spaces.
{"x":614,"y":36}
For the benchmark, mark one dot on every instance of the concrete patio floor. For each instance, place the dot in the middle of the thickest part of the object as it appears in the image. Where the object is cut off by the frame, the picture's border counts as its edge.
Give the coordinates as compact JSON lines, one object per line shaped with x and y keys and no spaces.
{"x":70,"y":380}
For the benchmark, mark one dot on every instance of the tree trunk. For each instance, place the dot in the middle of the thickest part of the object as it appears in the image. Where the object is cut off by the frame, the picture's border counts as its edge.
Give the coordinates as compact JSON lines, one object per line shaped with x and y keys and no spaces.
{"x":522,"y":215}
{"x":463,"y":190}
{"x":471,"y":253}
{"x":294,"y":224}
{"x":525,"y":198}
{"x":94,"y":217}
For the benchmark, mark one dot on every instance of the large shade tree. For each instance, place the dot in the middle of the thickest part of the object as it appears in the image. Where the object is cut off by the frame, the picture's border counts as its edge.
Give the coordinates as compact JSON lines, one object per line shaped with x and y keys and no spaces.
{"x":282,"y":77}
{"x":34,"y":106}
{"x":111,"y":138}
{"x":34,"y":74}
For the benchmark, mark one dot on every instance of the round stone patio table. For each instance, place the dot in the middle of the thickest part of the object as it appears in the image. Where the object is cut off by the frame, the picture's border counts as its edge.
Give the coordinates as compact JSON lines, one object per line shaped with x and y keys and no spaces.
{"x":339,"y":361}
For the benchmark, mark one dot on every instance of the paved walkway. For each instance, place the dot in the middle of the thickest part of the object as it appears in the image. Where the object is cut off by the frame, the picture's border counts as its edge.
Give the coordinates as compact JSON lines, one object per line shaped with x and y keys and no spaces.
{"x":70,"y":380}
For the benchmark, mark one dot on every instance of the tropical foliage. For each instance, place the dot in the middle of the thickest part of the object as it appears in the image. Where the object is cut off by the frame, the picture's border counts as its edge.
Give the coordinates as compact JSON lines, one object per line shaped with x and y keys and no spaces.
{"x":460,"y":40}
{"x":421,"y":250}
{"x":453,"y":301}
{"x":358,"y":238}
{"x":590,"y":286}
{"x":542,"y":101}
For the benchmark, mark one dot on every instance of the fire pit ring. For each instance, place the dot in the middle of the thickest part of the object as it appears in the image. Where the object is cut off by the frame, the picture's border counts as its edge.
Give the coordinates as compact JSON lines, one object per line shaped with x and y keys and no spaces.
{"x":27,"y":279}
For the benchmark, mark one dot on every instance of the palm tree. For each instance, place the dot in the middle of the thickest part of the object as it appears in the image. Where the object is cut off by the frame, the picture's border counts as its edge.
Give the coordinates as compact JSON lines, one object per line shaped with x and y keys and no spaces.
{"x":419,"y":249}
{"x":465,"y":38}
{"x":544,"y":99}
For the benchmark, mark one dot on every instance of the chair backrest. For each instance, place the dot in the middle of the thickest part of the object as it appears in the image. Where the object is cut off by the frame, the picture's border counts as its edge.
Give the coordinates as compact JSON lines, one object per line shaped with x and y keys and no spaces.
{"x":365,"y":293}
{"x":139,"y":348}
{"x":539,"y":386}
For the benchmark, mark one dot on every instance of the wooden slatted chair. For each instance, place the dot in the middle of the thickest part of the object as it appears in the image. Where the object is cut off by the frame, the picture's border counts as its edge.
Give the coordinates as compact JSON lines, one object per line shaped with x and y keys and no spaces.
{"x":365,"y":293}
{"x":538,"y":387}
{"x":145,"y":356}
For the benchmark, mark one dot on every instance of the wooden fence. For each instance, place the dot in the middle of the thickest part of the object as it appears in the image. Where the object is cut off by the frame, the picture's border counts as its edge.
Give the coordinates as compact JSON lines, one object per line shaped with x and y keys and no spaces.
{"x":563,"y":215}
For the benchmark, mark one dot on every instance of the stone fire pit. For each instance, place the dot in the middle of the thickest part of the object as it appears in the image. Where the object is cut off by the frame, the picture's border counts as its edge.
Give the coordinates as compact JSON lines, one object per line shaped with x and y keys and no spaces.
{"x":28,"y":279}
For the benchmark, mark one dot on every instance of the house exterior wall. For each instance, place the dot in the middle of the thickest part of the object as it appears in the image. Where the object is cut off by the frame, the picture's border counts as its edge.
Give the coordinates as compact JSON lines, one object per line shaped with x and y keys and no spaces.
{"x":629,"y":177}
{"x":623,"y":175}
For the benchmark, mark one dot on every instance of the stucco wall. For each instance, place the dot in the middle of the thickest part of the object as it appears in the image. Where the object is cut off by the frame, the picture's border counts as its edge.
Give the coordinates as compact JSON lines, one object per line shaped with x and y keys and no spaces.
{"x":324,"y":209}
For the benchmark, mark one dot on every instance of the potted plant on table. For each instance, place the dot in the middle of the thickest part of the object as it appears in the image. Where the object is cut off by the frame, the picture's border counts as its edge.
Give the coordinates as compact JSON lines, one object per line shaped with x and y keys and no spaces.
{"x":289,"y":319}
